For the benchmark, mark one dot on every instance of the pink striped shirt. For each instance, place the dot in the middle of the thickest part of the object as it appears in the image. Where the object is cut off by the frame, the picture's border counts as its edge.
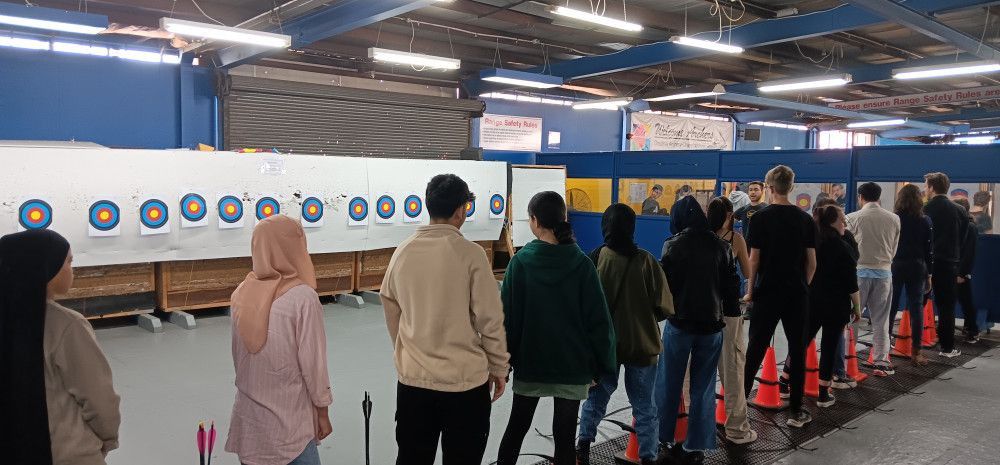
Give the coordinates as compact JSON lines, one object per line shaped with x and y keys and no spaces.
{"x":279,"y":388}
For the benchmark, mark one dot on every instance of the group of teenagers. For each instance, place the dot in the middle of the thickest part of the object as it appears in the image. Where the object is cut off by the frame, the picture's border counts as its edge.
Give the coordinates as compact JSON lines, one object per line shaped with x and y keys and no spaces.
{"x":564,"y":324}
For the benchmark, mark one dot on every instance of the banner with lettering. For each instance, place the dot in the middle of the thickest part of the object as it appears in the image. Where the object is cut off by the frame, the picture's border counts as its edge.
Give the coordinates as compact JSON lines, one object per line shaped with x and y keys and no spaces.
{"x":916,"y":100}
{"x":502,"y":132}
{"x":663,"y":132}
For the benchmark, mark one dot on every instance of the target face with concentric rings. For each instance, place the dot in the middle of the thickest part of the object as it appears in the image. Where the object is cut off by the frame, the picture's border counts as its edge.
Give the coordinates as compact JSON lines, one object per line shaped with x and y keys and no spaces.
{"x":230,"y":209}
{"x":312,"y":210}
{"x":153,"y":214}
{"x":385,"y":207}
{"x":35,"y":214}
{"x":357,"y":209}
{"x":413,"y":206}
{"x":267,"y":207}
{"x":497,"y":204}
{"x":193,"y":207}
{"x":470,"y":208}
{"x":104,"y":215}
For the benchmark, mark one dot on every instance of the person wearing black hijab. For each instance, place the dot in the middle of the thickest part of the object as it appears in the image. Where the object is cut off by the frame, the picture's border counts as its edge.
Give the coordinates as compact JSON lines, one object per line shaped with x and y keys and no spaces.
{"x":58,"y":403}
{"x":701,"y":271}
{"x":638,"y":297}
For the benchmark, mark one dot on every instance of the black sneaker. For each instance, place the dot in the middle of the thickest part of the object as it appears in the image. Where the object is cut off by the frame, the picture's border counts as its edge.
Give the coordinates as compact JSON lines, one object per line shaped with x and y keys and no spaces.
{"x":784,"y":390}
{"x":826,"y":398}
{"x":843,"y":382}
{"x":693,"y":458}
{"x":972,"y":339}
{"x":583,"y":453}
{"x":799,"y":419}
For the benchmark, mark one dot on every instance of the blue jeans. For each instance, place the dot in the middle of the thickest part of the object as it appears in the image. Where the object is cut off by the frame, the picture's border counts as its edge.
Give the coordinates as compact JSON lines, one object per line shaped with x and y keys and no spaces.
{"x":639,"y":387}
{"x":703,"y":351}
{"x":309,"y":456}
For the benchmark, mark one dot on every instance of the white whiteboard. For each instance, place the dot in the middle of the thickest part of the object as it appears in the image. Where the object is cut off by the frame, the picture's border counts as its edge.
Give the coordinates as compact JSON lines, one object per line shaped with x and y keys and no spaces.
{"x":525,"y":183}
{"x":69,"y":180}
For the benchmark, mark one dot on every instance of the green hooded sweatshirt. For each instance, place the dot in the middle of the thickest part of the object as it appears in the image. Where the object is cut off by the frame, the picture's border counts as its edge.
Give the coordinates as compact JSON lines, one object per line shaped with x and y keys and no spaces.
{"x":558,"y":326}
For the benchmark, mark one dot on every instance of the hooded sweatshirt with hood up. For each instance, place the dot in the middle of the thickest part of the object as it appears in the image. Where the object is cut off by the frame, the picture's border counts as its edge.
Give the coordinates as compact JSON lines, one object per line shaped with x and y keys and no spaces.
{"x":558,"y":326}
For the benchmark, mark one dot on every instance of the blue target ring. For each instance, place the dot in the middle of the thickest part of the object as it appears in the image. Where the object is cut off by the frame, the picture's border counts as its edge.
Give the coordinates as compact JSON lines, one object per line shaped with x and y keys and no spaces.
{"x":312,"y":209}
{"x":35,"y":214}
{"x":497,"y":204}
{"x":230,"y":209}
{"x":153,"y":213}
{"x":358,"y":209}
{"x":470,"y":208}
{"x":104,"y":215}
{"x":413,"y":206}
{"x":193,"y":207}
{"x":385,"y":207}
{"x":267,"y":207}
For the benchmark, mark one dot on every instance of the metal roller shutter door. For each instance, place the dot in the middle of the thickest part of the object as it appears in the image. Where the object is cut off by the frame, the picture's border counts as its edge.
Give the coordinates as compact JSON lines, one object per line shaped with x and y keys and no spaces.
{"x":318,"y":119}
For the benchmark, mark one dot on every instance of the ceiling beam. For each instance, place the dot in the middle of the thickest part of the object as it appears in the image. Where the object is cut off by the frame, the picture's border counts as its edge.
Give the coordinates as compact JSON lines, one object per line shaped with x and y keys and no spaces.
{"x":763,"y":115}
{"x":928,"y":26}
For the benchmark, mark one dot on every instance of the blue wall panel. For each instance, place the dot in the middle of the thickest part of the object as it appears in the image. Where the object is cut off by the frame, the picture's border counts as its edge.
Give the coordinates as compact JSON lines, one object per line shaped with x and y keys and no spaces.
{"x":580,"y":131}
{"x":587,"y":229}
{"x":517,"y":158}
{"x":962,"y":163}
{"x":787,"y":139}
{"x":582,"y":165}
{"x":110,"y":101}
{"x":699,"y":164}
{"x":809,"y":165}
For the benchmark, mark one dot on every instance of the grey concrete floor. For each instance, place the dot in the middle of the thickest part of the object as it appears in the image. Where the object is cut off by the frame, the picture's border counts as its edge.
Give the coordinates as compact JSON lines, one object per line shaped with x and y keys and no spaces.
{"x":172,"y":380}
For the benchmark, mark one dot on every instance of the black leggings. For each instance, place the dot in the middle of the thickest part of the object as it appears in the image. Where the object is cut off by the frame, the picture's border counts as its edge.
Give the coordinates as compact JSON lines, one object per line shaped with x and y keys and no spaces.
{"x":832,"y":321}
{"x":969,"y":311}
{"x":563,"y":429}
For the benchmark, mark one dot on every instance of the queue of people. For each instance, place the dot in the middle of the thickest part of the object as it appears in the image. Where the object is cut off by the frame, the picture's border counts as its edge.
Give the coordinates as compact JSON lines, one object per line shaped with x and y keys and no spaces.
{"x":563,"y":325}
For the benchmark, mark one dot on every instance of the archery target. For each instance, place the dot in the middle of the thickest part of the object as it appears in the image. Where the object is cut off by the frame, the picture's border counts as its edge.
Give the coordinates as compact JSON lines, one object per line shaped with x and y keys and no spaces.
{"x":312,"y":212}
{"x":804,"y":201}
{"x":34,"y":214}
{"x":497,"y":206}
{"x":470,"y":210}
{"x":412,"y":208}
{"x":385,"y":209}
{"x":104,"y":217}
{"x":153,"y":218}
{"x":230,"y":212}
{"x":266,"y":208}
{"x":357,"y":211}
{"x":194,"y":211}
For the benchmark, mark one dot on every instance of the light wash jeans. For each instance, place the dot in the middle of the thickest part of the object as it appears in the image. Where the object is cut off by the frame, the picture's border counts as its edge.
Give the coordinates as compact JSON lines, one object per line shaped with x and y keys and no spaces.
{"x":309,"y":456}
{"x":703,"y":351}
{"x":639,"y":387}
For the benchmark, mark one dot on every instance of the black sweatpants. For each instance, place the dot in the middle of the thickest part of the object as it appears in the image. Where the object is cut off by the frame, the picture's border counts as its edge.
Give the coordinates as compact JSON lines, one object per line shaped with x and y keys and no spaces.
{"x":969,"y":311}
{"x":460,"y":419}
{"x":944,"y":280}
{"x":521,"y":415}
{"x":909,"y":276}
{"x":832,"y":321}
{"x":793,"y":312}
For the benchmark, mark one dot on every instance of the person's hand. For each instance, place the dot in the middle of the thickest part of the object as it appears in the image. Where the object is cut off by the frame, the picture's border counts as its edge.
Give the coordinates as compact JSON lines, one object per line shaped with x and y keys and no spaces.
{"x":748,"y":298}
{"x":929,"y":286}
{"x":960,"y":279}
{"x":499,"y":384}
{"x":323,"y":427}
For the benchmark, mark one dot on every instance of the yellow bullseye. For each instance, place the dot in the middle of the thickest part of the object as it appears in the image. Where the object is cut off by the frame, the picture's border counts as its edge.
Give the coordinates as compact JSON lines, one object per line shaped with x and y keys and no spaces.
{"x":104,"y":215}
{"x":230,"y":209}
{"x":312,"y":210}
{"x":194,"y":207}
{"x":267,"y":211}
{"x":35,"y":215}
{"x":154,"y":214}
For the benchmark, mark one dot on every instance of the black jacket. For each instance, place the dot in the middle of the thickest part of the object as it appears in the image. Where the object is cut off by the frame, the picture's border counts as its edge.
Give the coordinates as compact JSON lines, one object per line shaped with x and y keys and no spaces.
{"x":836,"y":274}
{"x":951,"y":224}
{"x":702,"y":275}
{"x":968,"y":256}
{"x":916,"y":241}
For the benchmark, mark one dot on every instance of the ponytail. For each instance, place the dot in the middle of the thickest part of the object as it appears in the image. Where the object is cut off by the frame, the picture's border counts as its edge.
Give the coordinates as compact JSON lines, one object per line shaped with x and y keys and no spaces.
{"x":564,"y":233}
{"x":549,"y":209}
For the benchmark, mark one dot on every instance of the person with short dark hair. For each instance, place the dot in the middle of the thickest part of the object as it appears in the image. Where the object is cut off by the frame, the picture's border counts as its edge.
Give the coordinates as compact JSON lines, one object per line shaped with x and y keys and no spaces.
{"x":839,"y":194}
{"x":684,"y":191}
{"x":559,"y":330}
{"x":651,"y":206}
{"x":912,"y":264}
{"x":755,"y":190}
{"x":446,"y":325}
{"x":964,"y":288}
{"x":980,"y":212}
{"x":951,"y":224}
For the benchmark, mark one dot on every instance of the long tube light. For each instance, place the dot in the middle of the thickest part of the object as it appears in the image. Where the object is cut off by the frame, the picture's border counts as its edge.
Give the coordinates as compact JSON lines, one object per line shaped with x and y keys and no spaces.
{"x":816,"y":82}
{"x":706,"y":44}
{"x":877,"y":123}
{"x":606,"y":104}
{"x":953,"y":69}
{"x":225,"y":33}
{"x":596,"y":19}
{"x":414,"y":59}
{"x":50,"y":25}
{"x":521,"y":78}
{"x":682,"y":96}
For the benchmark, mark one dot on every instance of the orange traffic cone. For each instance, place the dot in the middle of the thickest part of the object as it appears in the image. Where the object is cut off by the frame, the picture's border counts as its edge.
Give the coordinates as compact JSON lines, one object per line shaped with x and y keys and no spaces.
{"x":929,"y":337}
{"x":768,"y":394}
{"x":904,"y":346}
{"x":812,"y":371}
{"x":631,"y":454}
{"x":720,"y":407}
{"x":681,"y":430}
{"x":852,"y":360}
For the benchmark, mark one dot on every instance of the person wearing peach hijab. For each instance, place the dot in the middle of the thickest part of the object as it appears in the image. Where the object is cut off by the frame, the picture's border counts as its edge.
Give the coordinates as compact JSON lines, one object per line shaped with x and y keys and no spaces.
{"x":279,"y":352}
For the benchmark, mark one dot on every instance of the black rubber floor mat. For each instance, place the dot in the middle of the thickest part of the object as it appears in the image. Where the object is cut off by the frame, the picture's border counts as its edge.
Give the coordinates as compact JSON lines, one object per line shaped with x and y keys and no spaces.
{"x":775,"y":440}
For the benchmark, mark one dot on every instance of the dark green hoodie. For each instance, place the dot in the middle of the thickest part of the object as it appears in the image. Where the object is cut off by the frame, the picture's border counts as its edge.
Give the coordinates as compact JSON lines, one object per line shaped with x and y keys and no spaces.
{"x":558,"y":326}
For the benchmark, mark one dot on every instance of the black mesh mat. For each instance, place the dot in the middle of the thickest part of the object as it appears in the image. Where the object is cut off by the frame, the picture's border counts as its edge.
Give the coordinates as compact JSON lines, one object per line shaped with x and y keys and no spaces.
{"x":776,"y":440}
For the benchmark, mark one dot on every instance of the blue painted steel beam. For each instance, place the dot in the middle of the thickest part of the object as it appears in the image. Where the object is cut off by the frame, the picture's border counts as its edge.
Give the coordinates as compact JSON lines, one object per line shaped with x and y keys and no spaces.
{"x":763,"y":115}
{"x":928,"y":26}
{"x":964,"y":115}
{"x":339,"y":18}
{"x":900,"y":133}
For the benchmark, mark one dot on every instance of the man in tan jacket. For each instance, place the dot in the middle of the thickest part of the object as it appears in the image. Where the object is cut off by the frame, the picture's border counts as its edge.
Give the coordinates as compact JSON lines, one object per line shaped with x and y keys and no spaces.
{"x":445,"y":321}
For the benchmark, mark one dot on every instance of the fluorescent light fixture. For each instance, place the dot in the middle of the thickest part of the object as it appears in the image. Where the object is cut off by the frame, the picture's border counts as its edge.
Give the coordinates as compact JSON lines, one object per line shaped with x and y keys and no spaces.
{"x":815,"y":82}
{"x":952,"y":69}
{"x":50,"y":25}
{"x":225,"y":33}
{"x":596,"y":19}
{"x":772,"y":124}
{"x":682,"y":96}
{"x":529,"y":99}
{"x":521,"y":78}
{"x":877,"y":123}
{"x":706,"y":44}
{"x":137,"y":55}
{"x":18,"y":42}
{"x":71,"y":47}
{"x":974,"y":140}
{"x":413,"y":59}
{"x":171,"y":58}
{"x":830,"y":100}
{"x":606,"y":104}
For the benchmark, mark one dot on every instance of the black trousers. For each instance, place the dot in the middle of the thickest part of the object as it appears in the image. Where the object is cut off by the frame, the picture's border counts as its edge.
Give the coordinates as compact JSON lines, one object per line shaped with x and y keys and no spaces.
{"x":945,"y":285}
{"x":832,"y":321}
{"x":521,"y":415}
{"x":461,"y":420}
{"x":909,"y":276}
{"x":793,"y":312}
{"x":969,"y":312}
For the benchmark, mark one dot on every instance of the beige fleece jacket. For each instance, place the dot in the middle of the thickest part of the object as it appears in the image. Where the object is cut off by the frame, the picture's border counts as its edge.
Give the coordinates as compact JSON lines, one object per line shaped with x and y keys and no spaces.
{"x":443,"y":312}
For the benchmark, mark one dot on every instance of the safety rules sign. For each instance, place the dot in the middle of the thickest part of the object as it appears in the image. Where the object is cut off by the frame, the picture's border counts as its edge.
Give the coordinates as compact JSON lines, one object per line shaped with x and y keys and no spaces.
{"x":500,"y":132}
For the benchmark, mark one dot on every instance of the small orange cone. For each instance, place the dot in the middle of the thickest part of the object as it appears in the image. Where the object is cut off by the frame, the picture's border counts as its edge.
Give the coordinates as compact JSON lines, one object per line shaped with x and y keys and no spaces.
{"x":904,"y":346}
{"x":631,"y":454}
{"x":681,"y":430}
{"x":812,"y":371}
{"x":720,"y":407}
{"x":768,"y":395}
{"x":852,"y":360}
{"x":930,"y":331}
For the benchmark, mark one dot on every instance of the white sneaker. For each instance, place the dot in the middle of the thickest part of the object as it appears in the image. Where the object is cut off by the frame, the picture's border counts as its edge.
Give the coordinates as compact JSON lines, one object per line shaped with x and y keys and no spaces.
{"x":751,"y":436}
{"x":952,"y":354}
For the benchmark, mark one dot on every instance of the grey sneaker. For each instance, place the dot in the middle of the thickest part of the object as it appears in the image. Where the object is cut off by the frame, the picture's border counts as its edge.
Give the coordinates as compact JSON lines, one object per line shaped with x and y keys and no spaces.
{"x":843,"y":382}
{"x":952,"y":354}
{"x":751,"y":436}
{"x":799,"y":419}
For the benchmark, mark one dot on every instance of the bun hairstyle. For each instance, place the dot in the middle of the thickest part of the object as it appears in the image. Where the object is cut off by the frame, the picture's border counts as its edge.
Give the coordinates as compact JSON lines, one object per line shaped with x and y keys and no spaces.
{"x":549,"y":210}
{"x":825,"y":216}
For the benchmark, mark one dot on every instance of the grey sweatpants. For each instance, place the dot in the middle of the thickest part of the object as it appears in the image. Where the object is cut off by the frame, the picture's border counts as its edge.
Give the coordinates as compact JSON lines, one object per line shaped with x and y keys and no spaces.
{"x":876,"y":295}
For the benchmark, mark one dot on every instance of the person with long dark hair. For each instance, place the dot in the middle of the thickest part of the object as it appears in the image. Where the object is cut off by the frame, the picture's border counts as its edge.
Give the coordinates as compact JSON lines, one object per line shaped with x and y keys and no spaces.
{"x":57,"y":397}
{"x":559,"y":332}
{"x":638,"y":297}
{"x":912,"y":263}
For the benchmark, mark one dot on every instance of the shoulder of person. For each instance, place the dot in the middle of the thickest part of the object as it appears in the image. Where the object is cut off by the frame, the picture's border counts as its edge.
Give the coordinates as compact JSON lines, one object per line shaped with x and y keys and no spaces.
{"x":64,"y":316}
{"x":302,"y":291}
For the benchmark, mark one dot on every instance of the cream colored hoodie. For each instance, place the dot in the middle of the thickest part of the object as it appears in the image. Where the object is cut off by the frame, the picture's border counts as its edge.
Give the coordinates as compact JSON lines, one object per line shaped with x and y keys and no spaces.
{"x":443,"y":312}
